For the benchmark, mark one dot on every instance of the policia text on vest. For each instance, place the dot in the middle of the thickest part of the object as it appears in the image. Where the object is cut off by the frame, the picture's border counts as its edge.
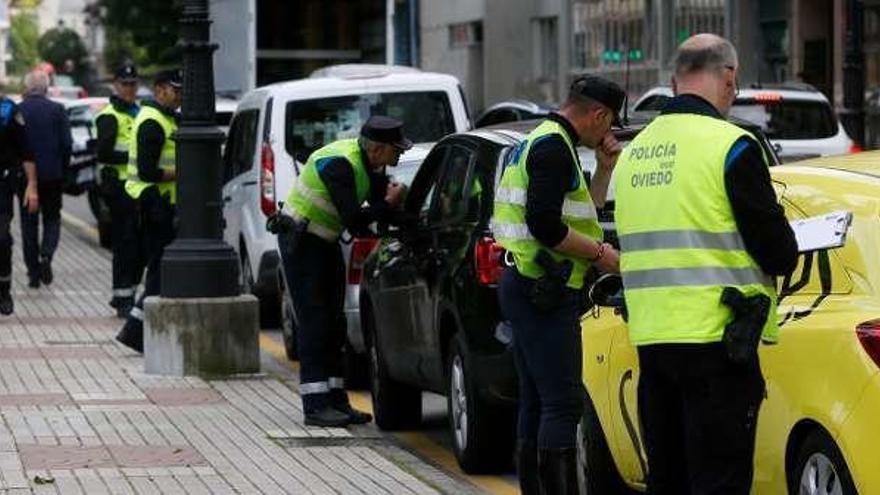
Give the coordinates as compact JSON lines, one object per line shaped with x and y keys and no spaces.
{"x":664,"y":168}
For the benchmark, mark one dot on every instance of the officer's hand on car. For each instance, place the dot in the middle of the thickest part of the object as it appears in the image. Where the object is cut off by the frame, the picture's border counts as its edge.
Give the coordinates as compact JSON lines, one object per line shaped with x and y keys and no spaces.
{"x":607,"y":152}
{"x":395,"y":193}
{"x":607,"y":260}
{"x":278,"y":223}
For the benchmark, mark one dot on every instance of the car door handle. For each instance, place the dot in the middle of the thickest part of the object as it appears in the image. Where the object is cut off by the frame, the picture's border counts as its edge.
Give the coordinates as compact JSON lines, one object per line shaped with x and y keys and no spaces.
{"x":249,"y":183}
{"x":227,"y":199}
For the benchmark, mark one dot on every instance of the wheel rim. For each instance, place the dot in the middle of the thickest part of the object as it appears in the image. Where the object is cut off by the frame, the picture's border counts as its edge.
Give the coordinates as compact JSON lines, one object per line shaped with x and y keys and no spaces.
{"x":582,"y":459}
{"x":458,"y":399}
{"x":819,"y":477}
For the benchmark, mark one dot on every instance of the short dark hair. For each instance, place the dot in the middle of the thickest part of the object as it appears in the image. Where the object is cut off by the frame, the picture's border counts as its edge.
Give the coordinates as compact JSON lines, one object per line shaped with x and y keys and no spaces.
{"x":714,"y":57}
{"x":581,"y":102}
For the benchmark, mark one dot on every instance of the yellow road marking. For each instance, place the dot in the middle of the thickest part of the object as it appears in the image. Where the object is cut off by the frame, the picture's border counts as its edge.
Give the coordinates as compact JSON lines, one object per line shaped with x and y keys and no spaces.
{"x":420,"y":442}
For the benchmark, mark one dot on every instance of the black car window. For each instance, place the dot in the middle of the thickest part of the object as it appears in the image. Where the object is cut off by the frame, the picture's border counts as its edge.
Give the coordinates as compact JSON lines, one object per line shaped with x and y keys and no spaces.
{"x":498,"y":116}
{"x":421,"y":193}
{"x":458,"y":199}
{"x":787,"y":119}
{"x":652,"y":103}
{"x":241,"y":144}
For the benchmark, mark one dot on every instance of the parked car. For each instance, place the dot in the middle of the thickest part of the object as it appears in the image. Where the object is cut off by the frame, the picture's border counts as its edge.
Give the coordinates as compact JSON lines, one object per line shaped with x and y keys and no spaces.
{"x":428,"y":303}
{"x":63,"y":86}
{"x":275,"y":128}
{"x":817,"y":428}
{"x":513,"y":111}
{"x":797,"y":118}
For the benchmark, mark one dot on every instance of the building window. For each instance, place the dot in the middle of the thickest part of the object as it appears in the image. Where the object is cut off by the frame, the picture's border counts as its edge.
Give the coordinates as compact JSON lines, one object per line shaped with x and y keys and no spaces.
{"x":698,"y":16}
{"x":545,"y":48}
{"x":465,"y":34}
{"x":609,"y":33}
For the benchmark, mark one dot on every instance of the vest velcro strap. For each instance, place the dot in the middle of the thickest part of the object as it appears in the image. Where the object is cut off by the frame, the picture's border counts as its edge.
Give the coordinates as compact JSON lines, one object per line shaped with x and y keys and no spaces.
{"x":700,"y":276}
{"x":574,"y":209}
{"x":512,"y":231}
{"x":681,"y":239}
{"x":120,"y":148}
{"x":316,"y":200}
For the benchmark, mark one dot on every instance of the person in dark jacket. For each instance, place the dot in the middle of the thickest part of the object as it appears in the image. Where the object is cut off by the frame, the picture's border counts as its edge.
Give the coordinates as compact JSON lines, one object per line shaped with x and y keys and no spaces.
{"x":48,"y":133}
{"x":13,"y":153}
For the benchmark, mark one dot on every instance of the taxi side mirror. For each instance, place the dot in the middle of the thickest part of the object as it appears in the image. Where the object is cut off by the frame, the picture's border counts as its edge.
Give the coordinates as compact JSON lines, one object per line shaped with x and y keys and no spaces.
{"x":607,"y":291}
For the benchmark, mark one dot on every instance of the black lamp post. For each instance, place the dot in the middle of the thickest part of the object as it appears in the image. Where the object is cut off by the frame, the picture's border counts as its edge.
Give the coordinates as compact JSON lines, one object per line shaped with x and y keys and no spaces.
{"x":853,"y":113}
{"x":198,"y":263}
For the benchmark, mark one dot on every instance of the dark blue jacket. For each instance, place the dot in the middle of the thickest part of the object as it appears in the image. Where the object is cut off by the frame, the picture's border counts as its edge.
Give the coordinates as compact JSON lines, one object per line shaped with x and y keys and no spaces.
{"x":48,"y":132}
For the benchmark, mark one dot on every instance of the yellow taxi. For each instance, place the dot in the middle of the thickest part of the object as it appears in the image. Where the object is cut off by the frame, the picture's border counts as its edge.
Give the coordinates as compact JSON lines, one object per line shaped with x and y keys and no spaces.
{"x":819,"y":428}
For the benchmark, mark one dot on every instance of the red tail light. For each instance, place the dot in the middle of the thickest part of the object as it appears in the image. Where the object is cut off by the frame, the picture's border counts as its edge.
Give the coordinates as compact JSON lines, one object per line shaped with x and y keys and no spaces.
{"x":360,"y":249}
{"x":869,"y":336}
{"x":855,"y":148}
{"x":267,"y":180}
{"x":488,"y":259}
{"x":82,"y":93}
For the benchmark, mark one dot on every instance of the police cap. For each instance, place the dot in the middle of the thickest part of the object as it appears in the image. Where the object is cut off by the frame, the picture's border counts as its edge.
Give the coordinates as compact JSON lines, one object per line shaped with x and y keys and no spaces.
{"x":173,"y":77}
{"x":126,"y":73}
{"x":387,"y":130}
{"x":602,"y":90}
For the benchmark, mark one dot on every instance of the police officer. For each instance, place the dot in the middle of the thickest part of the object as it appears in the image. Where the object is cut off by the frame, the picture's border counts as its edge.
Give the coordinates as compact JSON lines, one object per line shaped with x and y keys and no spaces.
{"x":325,"y":200}
{"x":114,"y":127}
{"x":697,"y":217}
{"x":13,"y":153}
{"x":544,"y":208}
{"x":152,"y":183}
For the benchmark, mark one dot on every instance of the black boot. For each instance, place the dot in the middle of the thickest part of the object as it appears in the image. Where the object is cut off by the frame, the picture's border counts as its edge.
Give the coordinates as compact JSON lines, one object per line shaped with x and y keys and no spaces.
{"x":339,"y":401}
{"x":527,"y":468}
{"x":123,"y":306}
{"x":557,"y":469}
{"x":132,"y":334}
{"x":327,"y":417}
{"x":6,"y":305}
{"x":46,"y":275}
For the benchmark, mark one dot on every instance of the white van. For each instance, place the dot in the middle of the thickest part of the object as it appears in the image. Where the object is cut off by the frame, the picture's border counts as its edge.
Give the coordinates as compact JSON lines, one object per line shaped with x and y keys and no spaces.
{"x":275,"y":128}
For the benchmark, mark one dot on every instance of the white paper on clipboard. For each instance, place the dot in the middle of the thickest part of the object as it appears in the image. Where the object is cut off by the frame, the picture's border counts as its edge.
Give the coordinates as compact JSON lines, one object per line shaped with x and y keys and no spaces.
{"x":822,"y":232}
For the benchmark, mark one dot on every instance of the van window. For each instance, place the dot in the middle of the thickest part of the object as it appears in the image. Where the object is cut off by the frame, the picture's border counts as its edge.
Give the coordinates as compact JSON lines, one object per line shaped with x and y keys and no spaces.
{"x":311,"y":124}
{"x":241,"y":145}
{"x":788,"y":119}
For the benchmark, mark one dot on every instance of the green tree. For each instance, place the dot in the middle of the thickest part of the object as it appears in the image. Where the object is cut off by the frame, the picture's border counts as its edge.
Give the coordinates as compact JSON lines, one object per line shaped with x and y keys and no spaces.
{"x":60,"y":44}
{"x":145,"y":31}
{"x":23,"y":37}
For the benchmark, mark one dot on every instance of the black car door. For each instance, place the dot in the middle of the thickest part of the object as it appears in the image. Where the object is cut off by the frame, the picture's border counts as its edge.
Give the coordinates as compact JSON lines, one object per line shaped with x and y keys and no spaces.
{"x":400,"y":275}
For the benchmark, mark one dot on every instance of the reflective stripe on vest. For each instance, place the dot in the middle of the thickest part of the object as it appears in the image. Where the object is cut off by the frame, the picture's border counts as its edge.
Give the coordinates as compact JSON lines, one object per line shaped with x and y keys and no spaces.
{"x":309,"y":198}
{"x":122,"y":144}
{"x":509,"y":218}
{"x":167,"y":159}
{"x":680,"y":245}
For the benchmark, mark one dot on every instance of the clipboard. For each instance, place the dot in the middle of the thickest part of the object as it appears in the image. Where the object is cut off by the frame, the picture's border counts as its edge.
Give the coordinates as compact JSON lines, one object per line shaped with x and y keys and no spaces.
{"x":826,"y":231}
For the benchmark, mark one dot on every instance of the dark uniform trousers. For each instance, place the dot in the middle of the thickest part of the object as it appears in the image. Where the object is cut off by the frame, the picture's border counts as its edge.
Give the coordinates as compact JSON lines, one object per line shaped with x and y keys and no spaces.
{"x":8,"y":190}
{"x":128,"y":264}
{"x":36,"y":252}
{"x":699,"y":415}
{"x":315,"y":273}
{"x":547,"y":355}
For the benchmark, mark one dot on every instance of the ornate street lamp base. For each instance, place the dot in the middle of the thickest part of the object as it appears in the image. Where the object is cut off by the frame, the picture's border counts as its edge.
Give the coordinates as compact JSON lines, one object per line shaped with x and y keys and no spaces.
{"x":200,"y":268}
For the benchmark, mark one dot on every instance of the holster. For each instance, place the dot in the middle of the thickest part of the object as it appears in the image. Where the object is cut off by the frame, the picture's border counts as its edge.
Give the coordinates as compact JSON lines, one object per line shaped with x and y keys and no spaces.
{"x":289,"y":238}
{"x":743,"y":334}
{"x":549,"y":291}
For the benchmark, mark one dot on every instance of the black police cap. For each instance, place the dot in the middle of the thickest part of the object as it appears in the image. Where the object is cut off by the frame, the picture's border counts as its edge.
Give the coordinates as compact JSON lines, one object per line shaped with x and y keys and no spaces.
{"x":174,"y":77}
{"x":387,"y":130}
{"x":602,"y":90}
{"x":126,"y":73}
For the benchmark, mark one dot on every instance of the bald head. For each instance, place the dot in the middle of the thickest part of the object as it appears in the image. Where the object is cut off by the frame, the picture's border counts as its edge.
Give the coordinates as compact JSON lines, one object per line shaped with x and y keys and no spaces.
{"x":706,"y":65}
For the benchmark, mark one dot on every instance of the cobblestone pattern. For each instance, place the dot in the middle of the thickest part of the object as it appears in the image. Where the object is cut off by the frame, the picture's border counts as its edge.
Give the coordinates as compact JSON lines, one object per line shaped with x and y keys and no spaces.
{"x":79,"y":416}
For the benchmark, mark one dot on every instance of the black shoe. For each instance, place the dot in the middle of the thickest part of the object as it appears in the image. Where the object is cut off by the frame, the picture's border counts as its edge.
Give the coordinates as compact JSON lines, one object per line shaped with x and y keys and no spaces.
{"x":328,"y":418}
{"x":132,"y":335}
{"x":6,"y":305}
{"x":355,"y":417}
{"x":46,"y":275}
{"x":527,"y":468}
{"x":557,"y":471}
{"x":123,"y":310}
{"x":34,"y":282}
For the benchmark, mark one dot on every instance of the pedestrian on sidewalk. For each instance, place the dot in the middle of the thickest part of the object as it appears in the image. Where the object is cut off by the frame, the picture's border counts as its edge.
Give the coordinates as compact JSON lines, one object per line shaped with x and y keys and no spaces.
{"x":152,"y":182}
{"x":49,"y":139}
{"x":114,"y":127}
{"x":327,"y":199}
{"x":14,"y":153}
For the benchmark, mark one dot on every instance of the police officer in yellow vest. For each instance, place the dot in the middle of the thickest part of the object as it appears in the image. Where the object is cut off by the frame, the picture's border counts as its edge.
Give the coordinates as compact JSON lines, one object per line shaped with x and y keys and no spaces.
{"x":325,"y":200}
{"x":697,"y":217}
{"x":152,"y":183}
{"x":545,"y":216}
{"x":114,"y":126}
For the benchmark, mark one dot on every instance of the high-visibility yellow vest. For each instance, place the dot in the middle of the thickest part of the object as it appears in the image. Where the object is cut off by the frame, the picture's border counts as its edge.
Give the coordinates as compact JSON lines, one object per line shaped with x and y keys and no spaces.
{"x":309,"y":197}
{"x":679,"y":241}
{"x":124,"y":126}
{"x":134,"y":185}
{"x":509,"y":219}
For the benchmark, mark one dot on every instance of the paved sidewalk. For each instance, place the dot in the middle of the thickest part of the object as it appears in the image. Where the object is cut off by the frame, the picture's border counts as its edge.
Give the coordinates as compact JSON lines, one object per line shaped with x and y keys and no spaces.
{"x":80,"y":416}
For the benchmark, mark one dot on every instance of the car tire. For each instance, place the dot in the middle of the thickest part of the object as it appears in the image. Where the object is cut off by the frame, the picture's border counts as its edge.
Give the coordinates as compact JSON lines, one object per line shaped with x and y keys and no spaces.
{"x":270,"y":307}
{"x":483,"y":434}
{"x":597,"y":473}
{"x":357,"y":369}
{"x":289,"y":327}
{"x":820,"y":468}
{"x":396,"y":406}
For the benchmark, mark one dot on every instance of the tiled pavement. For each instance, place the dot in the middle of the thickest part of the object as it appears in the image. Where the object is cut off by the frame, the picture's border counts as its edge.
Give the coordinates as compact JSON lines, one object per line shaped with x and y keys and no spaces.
{"x":78,"y":415}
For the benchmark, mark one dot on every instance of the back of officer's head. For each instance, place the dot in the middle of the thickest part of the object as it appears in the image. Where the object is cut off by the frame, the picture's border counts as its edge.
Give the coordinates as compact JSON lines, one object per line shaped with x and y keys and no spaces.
{"x":592,"y":106}
{"x":36,"y":82}
{"x":707,"y":65}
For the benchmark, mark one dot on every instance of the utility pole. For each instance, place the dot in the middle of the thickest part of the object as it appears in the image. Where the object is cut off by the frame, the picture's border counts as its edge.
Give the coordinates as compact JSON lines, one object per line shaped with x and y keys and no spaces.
{"x":853,"y":113}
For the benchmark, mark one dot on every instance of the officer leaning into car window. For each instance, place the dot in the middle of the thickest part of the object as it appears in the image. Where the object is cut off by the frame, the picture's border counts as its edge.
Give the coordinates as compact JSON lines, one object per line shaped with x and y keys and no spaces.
{"x":325,"y":200}
{"x":14,"y":153}
{"x":545,"y":216}
{"x":700,"y":233}
{"x":152,"y":182}
{"x":114,"y":126}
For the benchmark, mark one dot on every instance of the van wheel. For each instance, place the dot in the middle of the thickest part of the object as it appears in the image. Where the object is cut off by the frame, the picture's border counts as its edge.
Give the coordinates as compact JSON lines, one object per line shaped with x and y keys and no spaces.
{"x":820,"y":468}
{"x":396,"y":406}
{"x":483,"y":434}
{"x":597,"y":473}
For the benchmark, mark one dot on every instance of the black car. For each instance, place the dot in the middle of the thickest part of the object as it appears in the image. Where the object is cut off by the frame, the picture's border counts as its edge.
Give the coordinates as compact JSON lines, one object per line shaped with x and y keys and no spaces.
{"x":429,"y":307}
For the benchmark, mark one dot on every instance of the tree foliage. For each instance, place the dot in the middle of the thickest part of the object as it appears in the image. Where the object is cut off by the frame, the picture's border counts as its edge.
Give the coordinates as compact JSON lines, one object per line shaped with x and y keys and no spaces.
{"x":23,"y":36}
{"x":60,"y":44}
{"x":145,"y":31}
